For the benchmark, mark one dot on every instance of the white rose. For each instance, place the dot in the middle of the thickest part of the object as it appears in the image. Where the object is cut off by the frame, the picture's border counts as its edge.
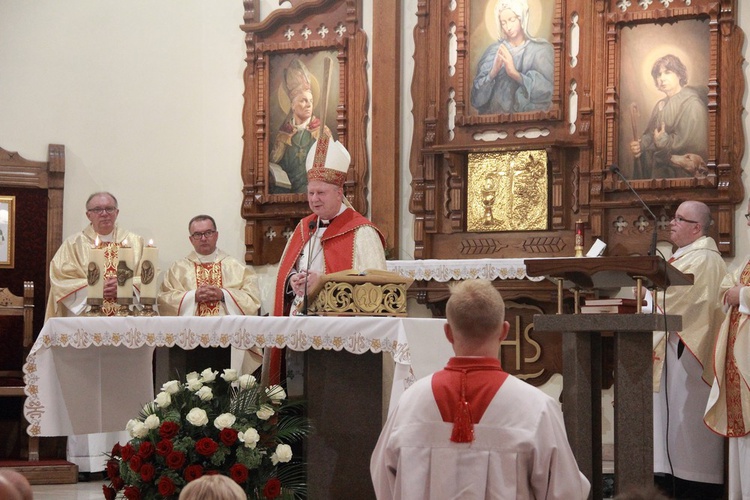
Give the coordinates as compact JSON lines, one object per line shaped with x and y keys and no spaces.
{"x":264,"y":412}
{"x":250,"y":437}
{"x":151,"y":422}
{"x":208,"y":375}
{"x":192,"y":376}
{"x":283,"y":453}
{"x":224,"y":420}
{"x":197,"y":417}
{"x":230,"y":375}
{"x":247,"y":381}
{"x":205,"y":393}
{"x":131,"y":423}
{"x":163,"y":399}
{"x":171,"y":387}
{"x":194,"y":384}
{"x":276,"y":393}
{"x":139,"y":430}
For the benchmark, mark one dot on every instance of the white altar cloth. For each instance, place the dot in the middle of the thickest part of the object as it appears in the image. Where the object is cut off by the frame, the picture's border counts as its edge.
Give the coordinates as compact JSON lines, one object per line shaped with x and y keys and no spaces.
{"x":93,"y":374}
{"x":443,"y":270}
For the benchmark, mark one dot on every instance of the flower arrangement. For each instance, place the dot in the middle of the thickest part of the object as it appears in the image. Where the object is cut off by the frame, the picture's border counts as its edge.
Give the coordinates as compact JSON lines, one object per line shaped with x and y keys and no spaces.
{"x":226,"y":425}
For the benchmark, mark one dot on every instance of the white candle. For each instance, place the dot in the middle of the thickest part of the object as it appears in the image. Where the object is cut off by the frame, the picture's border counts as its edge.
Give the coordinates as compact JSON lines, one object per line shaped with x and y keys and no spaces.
{"x":125,"y":271}
{"x":95,"y":273}
{"x":148,"y":271}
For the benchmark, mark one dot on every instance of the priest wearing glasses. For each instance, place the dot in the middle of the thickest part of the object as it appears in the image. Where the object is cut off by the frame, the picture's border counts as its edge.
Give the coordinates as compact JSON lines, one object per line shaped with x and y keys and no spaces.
{"x":68,"y":294}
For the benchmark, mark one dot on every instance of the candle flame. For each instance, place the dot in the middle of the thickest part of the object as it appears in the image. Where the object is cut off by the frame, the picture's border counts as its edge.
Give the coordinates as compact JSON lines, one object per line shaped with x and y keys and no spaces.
{"x":150,"y":242}
{"x":97,"y":242}
{"x":125,"y":243}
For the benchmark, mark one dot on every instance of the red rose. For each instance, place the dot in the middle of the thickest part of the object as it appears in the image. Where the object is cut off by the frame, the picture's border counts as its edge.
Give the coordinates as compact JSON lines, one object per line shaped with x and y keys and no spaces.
{"x":175,"y":460}
{"x":113,"y":468}
{"x":228,"y":436}
{"x":109,"y":492}
{"x":206,"y":446}
{"x":127,"y":451}
{"x":168,"y":429}
{"x":135,"y":463}
{"x":118,"y":483}
{"x":164,"y":447}
{"x":116,"y":450}
{"x":239,"y":473}
{"x":132,"y":493}
{"x":146,"y":449}
{"x":192,"y":472}
{"x":166,"y":486}
{"x":272,"y":489}
{"x":148,"y":471}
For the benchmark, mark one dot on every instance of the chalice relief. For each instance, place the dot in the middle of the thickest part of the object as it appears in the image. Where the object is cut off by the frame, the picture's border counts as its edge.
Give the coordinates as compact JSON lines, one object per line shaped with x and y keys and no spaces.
{"x":489,"y":193}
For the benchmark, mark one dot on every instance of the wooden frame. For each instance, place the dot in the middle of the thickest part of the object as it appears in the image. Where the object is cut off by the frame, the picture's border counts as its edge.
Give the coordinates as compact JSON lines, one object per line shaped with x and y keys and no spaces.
{"x":7,"y":231}
{"x":308,"y":31}
{"x":18,"y":172}
{"x":582,"y":132}
{"x":713,"y":51}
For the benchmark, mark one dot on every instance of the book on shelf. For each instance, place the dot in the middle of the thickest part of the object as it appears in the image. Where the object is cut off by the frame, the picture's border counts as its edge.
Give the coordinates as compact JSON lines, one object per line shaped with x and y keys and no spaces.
{"x":609,"y":309}
{"x":613,"y":301}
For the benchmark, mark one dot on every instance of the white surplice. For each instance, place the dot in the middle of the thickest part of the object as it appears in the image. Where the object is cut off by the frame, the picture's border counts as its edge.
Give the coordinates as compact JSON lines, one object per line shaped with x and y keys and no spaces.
{"x":520,"y":450}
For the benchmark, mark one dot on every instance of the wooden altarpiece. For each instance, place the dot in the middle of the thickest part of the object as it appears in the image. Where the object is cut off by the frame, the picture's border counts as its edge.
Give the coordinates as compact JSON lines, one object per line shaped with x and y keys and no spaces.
{"x":326,"y":36}
{"x":585,"y":126}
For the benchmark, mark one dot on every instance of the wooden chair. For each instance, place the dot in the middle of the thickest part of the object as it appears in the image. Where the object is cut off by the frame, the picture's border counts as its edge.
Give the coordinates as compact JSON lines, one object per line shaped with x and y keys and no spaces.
{"x":11,"y":381}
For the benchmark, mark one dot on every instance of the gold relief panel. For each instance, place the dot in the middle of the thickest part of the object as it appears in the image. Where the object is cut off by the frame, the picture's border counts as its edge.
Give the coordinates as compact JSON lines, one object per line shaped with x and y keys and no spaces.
{"x":507,"y":191}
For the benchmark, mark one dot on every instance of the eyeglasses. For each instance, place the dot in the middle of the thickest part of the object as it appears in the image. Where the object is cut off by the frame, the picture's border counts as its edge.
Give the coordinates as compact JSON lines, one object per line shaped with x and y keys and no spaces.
{"x":205,"y":234}
{"x":101,"y":210}
{"x":679,"y":218}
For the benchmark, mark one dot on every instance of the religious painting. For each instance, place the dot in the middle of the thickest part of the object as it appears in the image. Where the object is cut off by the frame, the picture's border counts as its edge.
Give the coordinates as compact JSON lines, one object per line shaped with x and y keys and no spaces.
{"x":664,"y":118}
{"x":507,"y":191}
{"x":7,"y":230}
{"x":512,"y":62}
{"x":303,"y":101}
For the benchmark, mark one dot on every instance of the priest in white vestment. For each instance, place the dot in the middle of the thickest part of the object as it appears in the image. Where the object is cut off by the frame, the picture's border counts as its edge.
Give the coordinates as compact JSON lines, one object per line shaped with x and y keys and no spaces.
{"x":688,"y":457}
{"x":68,"y":294}
{"x":471,"y":430}
{"x":728,"y":409}
{"x":209,"y":282}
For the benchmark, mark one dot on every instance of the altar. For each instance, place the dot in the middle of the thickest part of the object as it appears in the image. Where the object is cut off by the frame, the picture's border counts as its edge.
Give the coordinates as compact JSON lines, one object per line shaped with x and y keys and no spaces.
{"x":93,"y":374}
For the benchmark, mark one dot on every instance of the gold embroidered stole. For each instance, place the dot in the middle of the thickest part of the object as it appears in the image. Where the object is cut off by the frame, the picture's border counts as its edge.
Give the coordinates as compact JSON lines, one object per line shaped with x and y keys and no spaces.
{"x":732,"y":380}
{"x":208,"y":274}
{"x":110,"y":307}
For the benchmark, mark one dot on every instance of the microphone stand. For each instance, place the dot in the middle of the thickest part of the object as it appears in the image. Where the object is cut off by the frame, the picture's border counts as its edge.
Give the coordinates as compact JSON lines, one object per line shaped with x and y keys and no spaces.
{"x":312,"y":225}
{"x":616,"y":170}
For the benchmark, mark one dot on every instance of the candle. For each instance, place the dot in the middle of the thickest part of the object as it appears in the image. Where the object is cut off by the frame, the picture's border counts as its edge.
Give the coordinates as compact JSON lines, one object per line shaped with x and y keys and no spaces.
{"x":125,"y":272}
{"x":95,"y":274}
{"x":579,"y":238}
{"x":148,"y":272}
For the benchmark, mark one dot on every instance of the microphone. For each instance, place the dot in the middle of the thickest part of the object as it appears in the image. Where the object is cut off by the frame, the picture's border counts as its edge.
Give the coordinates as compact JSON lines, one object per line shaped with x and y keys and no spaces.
{"x":310,"y":228}
{"x":616,"y":170}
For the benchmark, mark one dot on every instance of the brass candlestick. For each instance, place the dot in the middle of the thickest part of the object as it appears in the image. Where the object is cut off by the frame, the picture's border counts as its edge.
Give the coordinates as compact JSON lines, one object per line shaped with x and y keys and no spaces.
{"x":148,"y":307}
{"x":125,"y":303}
{"x":95,"y":307}
{"x":579,"y":238}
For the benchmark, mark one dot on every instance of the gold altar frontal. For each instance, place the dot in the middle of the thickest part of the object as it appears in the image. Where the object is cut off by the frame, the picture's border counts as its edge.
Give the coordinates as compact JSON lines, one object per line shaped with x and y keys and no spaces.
{"x":352,"y":293}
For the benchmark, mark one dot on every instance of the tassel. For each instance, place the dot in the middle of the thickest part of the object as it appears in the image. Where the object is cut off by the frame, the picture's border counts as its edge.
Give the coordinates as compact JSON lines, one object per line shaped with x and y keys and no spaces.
{"x":463,"y":427}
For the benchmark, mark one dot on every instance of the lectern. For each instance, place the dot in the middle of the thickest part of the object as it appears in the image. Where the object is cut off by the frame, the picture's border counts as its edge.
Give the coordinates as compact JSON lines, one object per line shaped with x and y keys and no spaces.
{"x":582,"y":362}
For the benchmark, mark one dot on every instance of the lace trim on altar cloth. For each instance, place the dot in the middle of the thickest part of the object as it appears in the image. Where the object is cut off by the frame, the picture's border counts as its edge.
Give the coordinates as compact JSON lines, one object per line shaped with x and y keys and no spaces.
{"x":461,"y":269}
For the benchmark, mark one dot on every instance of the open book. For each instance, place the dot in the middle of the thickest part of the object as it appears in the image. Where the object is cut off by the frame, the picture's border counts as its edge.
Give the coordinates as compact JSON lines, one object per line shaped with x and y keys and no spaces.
{"x":281,"y":179}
